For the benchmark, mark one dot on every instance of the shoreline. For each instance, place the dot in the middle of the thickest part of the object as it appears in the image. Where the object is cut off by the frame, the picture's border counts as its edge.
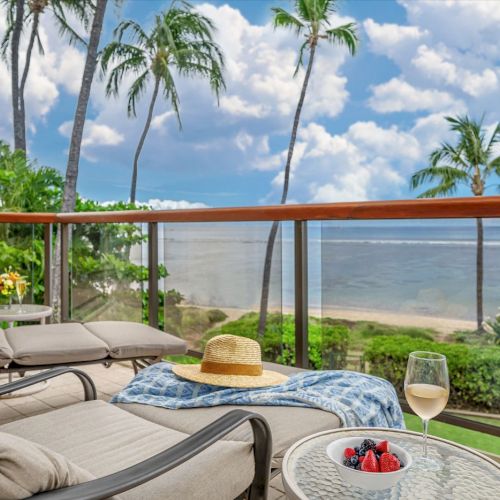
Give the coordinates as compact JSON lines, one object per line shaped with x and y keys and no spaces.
{"x":444,"y":326}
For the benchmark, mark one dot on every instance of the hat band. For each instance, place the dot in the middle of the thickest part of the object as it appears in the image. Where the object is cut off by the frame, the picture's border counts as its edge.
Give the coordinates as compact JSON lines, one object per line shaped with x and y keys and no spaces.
{"x":230,"y":368}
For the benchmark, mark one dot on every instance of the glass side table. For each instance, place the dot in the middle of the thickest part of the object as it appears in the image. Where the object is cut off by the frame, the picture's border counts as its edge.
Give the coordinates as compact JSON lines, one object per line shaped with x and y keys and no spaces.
{"x":26,"y":312}
{"x":308,"y":473}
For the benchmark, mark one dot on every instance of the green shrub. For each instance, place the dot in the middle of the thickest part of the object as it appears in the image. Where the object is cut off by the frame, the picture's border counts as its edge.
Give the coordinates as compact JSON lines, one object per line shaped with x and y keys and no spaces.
{"x":216,"y":315}
{"x":474,"y":371}
{"x":327,"y":343}
{"x":368,"y":329}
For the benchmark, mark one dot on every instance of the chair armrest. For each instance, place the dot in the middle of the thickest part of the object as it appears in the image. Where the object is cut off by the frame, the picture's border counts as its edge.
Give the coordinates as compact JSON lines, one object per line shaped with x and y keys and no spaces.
{"x":88,"y":384}
{"x":176,"y":455}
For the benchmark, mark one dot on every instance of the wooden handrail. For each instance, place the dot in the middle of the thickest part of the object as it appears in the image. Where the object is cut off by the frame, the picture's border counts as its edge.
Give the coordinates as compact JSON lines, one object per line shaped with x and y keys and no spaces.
{"x":443,"y":208}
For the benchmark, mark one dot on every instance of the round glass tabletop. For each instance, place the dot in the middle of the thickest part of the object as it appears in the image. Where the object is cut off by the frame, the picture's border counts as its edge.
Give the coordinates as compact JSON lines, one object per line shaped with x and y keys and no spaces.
{"x":309,"y":474}
{"x":26,"y":312}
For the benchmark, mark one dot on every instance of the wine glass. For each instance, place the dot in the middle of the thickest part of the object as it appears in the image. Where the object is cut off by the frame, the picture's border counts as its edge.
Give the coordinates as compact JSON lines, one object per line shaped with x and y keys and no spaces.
{"x":427,"y":388}
{"x":21,"y":292}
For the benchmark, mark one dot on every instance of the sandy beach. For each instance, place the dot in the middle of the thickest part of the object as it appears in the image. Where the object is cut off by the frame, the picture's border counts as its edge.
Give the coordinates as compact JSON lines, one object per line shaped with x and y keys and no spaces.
{"x":444,"y":326}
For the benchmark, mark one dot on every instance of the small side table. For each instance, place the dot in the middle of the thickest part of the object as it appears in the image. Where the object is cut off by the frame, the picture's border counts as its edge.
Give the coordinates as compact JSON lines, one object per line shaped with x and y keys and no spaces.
{"x":26,"y":312}
{"x":309,"y":474}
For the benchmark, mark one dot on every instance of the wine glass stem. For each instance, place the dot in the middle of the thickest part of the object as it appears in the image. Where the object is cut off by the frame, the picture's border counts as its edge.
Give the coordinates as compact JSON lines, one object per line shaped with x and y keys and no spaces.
{"x":426,"y":428}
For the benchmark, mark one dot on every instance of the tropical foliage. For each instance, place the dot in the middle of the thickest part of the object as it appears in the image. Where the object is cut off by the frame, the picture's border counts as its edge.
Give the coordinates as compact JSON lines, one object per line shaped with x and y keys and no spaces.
{"x":311,"y":21}
{"x":180,"y":42}
{"x":471,"y":162}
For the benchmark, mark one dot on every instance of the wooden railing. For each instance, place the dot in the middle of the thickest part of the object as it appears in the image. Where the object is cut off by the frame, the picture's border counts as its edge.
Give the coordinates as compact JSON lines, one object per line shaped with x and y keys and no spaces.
{"x":443,"y":208}
{"x":449,"y":208}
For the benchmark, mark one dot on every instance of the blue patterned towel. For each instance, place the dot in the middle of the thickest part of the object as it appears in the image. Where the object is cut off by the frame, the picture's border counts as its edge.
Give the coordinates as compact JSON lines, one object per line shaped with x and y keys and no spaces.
{"x":359,"y":400}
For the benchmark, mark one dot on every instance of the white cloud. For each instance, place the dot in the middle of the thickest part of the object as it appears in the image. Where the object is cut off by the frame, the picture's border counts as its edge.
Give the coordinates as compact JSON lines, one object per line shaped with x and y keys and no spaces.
{"x":158,"y":122}
{"x":235,"y":105}
{"x":398,"y":95}
{"x":157,"y":204}
{"x":393,"y":40}
{"x":243,"y":140}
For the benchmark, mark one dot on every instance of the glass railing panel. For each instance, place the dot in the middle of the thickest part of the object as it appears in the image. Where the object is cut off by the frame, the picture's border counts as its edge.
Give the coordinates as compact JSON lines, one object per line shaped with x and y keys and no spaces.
{"x":108,"y":272}
{"x":399,"y":286}
{"x":214,"y":283}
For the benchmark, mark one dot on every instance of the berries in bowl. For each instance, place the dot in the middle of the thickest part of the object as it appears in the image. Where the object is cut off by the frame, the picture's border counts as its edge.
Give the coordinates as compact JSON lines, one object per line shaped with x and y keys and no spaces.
{"x":371,"y":464}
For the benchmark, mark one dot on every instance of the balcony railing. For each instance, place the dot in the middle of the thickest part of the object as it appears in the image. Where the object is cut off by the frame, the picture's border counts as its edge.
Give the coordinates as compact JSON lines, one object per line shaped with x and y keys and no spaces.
{"x":297,"y":220}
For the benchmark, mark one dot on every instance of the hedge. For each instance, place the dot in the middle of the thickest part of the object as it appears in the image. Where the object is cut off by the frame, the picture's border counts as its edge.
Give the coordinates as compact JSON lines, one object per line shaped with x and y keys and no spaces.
{"x":327,"y":343}
{"x":474,"y":371}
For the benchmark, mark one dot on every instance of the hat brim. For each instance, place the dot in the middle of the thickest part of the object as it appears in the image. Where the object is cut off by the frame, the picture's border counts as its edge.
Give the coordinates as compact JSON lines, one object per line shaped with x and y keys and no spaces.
{"x":194,"y":373}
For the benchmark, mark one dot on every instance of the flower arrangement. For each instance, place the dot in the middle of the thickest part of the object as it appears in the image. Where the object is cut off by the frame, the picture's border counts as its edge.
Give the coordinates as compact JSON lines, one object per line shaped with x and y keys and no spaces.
{"x":8,"y":280}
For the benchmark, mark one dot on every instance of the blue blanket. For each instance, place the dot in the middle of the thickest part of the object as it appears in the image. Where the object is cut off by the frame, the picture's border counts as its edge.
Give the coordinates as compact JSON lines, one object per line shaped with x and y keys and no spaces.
{"x":359,"y":400}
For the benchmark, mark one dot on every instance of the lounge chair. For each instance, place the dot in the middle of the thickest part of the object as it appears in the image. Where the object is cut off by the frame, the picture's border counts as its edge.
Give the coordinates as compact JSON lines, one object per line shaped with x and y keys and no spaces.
{"x":38,"y":347}
{"x":139,"y":459}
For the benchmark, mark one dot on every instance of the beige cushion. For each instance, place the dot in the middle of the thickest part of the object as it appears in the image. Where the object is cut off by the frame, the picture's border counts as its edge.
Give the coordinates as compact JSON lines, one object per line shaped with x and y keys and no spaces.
{"x":54,"y":344}
{"x":127,"y":340}
{"x":27,"y":468}
{"x":288,"y":424}
{"x":103,"y":439}
{"x":5,"y":350}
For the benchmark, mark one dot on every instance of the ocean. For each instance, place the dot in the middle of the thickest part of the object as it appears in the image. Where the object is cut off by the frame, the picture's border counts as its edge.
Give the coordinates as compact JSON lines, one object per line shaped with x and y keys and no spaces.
{"x":425,"y":268}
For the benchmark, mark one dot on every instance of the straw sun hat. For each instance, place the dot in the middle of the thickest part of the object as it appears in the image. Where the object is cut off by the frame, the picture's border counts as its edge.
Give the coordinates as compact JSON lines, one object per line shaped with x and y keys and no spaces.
{"x":231,"y":361}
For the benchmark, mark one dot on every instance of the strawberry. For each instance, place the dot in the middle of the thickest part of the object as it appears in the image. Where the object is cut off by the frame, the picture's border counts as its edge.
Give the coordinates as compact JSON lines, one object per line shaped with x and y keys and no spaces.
{"x":389,"y":463}
{"x":370,"y":463}
{"x":382,"y":447}
{"x":349,"y":452}
{"x":361,"y":459}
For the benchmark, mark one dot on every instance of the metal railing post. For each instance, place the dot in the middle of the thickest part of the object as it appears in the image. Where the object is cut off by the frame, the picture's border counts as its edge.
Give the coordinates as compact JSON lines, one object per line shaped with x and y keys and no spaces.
{"x":47,"y":265}
{"x":301,"y":295}
{"x":65,"y":278}
{"x":153,"y":274}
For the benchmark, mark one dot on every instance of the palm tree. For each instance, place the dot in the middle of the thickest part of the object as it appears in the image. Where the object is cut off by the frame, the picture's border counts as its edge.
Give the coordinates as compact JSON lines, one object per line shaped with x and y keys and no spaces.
{"x":311,"y":19}
{"x":69,"y":195}
{"x":16,"y":19}
{"x":470,"y":162}
{"x":181,"y":40}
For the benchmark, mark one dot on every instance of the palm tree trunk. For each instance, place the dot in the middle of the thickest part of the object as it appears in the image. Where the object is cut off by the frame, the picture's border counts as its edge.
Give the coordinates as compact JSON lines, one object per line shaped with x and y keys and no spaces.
{"x":34,"y":29}
{"x":69,"y":194}
{"x":19,"y":137}
{"x":479,"y":273}
{"x":133,"y":185}
{"x":266,"y":277}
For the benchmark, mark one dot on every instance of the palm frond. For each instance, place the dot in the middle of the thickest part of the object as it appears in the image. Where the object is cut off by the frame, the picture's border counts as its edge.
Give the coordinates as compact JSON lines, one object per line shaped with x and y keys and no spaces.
{"x":135,"y":92}
{"x":451,"y":155}
{"x":494,"y":166}
{"x":446,"y":175}
{"x":135,"y":32}
{"x":314,"y":11}
{"x":170,"y":93}
{"x":344,"y":35}
{"x":300,"y":61}
{"x":494,"y":139}
{"x":442,"y":190}
{"x":283,"y":19}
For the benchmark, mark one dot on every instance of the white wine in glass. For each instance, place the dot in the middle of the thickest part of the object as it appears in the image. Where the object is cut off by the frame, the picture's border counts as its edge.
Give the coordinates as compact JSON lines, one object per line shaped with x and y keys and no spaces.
{"x":21,"y":286}
{"x":427,"y":388}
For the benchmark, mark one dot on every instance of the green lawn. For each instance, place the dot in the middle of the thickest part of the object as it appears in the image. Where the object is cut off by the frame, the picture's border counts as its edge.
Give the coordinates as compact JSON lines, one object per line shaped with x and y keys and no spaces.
{"x":474,"y":439}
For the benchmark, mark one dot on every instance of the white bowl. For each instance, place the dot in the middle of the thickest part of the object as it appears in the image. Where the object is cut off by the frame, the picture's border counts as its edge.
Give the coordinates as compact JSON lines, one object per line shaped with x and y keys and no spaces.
{"x":367,"y":480}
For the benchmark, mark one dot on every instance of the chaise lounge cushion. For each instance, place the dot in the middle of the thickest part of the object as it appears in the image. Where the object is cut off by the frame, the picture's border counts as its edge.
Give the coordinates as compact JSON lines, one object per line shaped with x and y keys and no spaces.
{"x":54,"y":344}
{"x":5,"y":350}
{"x":127,"y":340}
{"x":27,"y":468}
{"x":288,"y":424}
{"x":103,"y":439}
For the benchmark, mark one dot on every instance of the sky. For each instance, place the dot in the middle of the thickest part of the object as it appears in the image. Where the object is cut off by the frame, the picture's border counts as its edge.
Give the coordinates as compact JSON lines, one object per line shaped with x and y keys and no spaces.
{"x":369,"y":121}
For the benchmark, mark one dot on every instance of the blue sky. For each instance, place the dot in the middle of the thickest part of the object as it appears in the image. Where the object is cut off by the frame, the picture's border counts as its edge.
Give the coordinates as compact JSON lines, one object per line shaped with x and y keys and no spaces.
{"x":369,"y":121}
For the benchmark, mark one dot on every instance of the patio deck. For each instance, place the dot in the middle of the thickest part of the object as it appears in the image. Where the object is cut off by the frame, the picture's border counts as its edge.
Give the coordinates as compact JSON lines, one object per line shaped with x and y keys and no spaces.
{"x":66,"y":390}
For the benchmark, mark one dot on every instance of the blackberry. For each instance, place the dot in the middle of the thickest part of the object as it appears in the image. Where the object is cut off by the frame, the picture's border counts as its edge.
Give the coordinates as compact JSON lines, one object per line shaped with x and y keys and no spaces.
{"x":346,"y":462}
{"x":358,"y":467}
{"x":366,"y":445}
{"x":356,"y":449}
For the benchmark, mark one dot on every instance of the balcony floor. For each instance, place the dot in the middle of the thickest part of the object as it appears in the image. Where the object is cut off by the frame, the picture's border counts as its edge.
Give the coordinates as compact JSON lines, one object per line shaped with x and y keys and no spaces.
{"x":66,"y":390}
